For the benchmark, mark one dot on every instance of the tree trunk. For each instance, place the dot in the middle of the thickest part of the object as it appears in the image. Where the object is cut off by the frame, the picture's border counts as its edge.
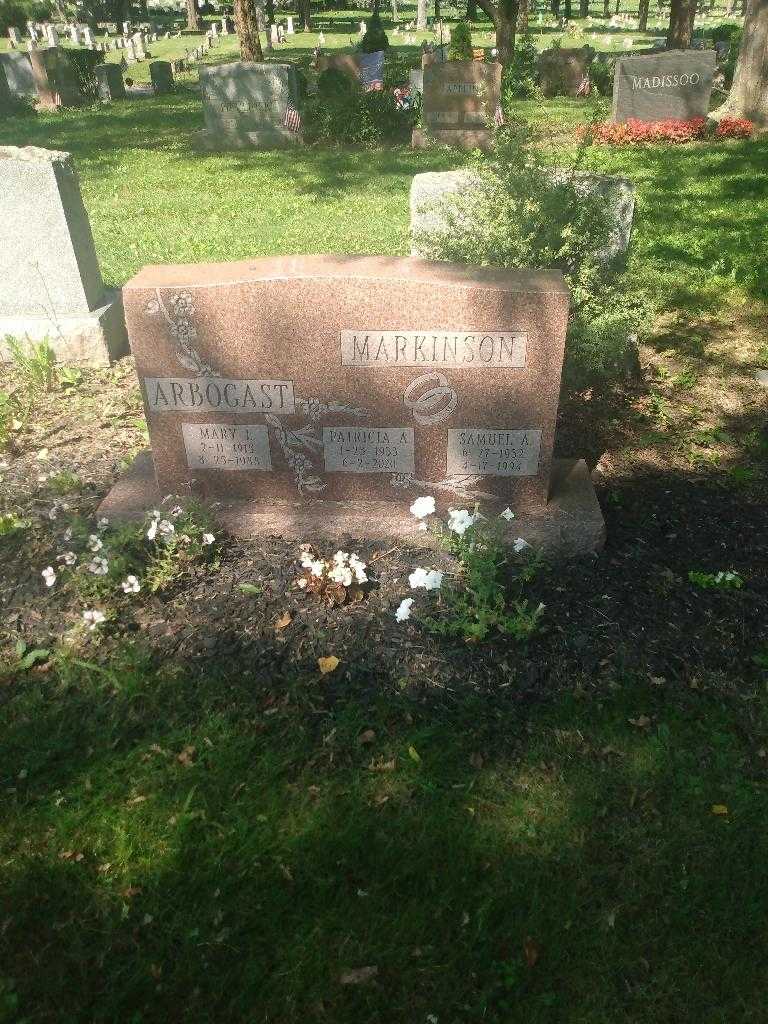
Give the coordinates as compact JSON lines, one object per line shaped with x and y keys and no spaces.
{"x":421,"y":16}
{"x":567,"y":12}
{"x":193,"y":16}
{"x":471,"y":10}
{"x":522,"y":16}
{"x":583,"y":8}
{"x":642,"y":16}
{"x":394,"y":11}
{"x":247,"y":28}
{"x":554,"y":6}
{"x":437,"y":10}
{"x":606,"y":8}
{"x":749,"y":93}
{"x":305,"y":13}
{"x":681,"y":24}
{"x":267,"y":13}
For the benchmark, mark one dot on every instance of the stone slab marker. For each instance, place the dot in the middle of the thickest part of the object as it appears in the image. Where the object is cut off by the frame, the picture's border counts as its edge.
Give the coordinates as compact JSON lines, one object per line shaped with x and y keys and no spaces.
{"x":459,"y":100}
{"x":50,"y":284}
{"x":323,"y":394}
{"x":55,"y":79}
{"x":18,"y":72}
{"x":7,"y":100}
{"x":110,"y":84}
{"x":674,"y":84}
{"x":245,"y":104}
{"x":161,"y":73}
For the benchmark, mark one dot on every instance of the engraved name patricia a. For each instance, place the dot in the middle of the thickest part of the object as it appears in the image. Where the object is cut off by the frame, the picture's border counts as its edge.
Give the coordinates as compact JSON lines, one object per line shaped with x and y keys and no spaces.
{"x":467,"y":349}
{"x":219,"y":394}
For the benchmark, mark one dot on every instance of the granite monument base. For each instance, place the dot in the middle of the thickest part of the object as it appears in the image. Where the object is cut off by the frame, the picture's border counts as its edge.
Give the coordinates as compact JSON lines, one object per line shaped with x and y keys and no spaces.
{"x":95,"y":338}
{"x":268,"y":138}
{"x":459,"y":138}
{"x":570,"y":524}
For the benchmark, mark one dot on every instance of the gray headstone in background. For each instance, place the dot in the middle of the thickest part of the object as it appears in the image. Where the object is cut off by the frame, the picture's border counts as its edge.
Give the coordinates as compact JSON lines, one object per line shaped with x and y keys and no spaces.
{"x":161,"y":73}
{"x":18,"y":73}
{"x":245,"y":105}
{"x":7,"y":99}
{"x":50,"y":283}
{"x":416,"y":80}
{"x":676,"y":84}
{"x":110,"y":84}
{"x":431,"y":215}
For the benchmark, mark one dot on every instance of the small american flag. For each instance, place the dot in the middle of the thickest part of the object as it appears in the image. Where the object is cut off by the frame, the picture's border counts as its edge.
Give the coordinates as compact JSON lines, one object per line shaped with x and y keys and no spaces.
{"x":292,"y":119}
{"x":498,"y":117}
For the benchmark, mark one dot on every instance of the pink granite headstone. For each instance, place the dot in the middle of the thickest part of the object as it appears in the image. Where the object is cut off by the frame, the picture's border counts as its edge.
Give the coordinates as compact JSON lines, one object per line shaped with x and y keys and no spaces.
{"x":349,"y":386}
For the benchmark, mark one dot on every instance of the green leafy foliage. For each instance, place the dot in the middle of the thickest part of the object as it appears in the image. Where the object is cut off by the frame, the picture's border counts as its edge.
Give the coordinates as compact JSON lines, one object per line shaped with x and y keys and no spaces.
{"x":375,"y":37}
{"x":519,"y":79}
{"x":35,"y":363}
{"x":341,"y":112}
{"x":461,"y":42}
{"x":719,"y":580}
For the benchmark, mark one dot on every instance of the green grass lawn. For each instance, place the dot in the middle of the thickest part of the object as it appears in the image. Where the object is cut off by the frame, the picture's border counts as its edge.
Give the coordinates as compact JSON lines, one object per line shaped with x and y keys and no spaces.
{"x":227,"y":840}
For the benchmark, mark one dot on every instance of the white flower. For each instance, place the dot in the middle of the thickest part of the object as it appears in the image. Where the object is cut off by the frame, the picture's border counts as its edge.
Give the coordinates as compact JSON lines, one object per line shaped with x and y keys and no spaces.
{"x":301,"y":582}
{"x":208,"y":538}
{"x":430,"y":579}
{"x":130,"y":585}
{"x":98,"y":566}
{"x":68,"y":558}
{"x":423,"y":507}
{"x":92,"y":618}
{"x":520,"y":545}
{"x":403,"y":611}
{"x":422,"y":526}
{"x":507,"y":514}
{"x":459,"y":520}
{"x":102,"y":524}
{"x":95,"y":543}
{"x":315,"y":566}
{"x":152,"y":531}
{"x":166,"y":528}
{"x":176,"y":511}
{"x":53,"y":512}
{"x":341,"y":574}
{"x":42,"y":455}
{"x":49,"y":576}
{"x":358,"y":567}
{"x":68,"y":534}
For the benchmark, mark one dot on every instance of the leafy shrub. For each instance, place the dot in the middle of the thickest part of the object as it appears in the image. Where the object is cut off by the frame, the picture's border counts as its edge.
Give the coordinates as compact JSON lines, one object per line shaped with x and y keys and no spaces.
{"x":342,"y":112}
{"x":729,"y":68}
{"x":601,"y":76}
{"x":375,"y":37}
{"x":461,"y":42}
{"x":334,"y":84}
{"x":521,"y":215}
{"x":520,"y":77}
{"x":17,"y":13}
{"x":671,"y":130}
{"x":723,"y":33}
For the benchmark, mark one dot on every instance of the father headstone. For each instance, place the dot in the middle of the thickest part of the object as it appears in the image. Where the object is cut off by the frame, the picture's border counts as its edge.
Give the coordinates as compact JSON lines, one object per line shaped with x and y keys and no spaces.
{"x":247,"y":104}
{"x":110,"y":84}
{"x":674,"y":84}
{"x":322,"y":394}
{"x":50,"y":284}
{"x":460,"y":100}
{"x":162,"y":77}
{"x":55,"y":79}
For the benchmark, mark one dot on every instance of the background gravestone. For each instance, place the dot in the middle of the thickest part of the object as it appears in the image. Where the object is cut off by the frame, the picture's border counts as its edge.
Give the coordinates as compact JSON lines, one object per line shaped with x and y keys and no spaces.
{"x":8,"y":102}
{"x":246,"y":104}
{"x":50,"y":284}
{"x":110,"y":84}
{"x":161,"y":73}
{"x":562,"y":72}
{"x":324,"y":393}
{"x":18,"y":72}
{"x":55,"y":79}
{"x":432,"y":211}
{"x":459,"y":99}
{"x":674,"y":84}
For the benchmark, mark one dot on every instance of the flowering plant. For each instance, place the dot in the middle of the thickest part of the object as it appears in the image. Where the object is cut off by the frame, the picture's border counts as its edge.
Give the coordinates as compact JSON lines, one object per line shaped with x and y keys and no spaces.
{"x":672,"y":130}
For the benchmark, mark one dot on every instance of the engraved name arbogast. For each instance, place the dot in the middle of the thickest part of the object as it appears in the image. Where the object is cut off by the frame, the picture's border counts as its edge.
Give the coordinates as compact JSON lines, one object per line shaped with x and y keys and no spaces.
{"x":466,"y":349}
{"x":219,"y":394}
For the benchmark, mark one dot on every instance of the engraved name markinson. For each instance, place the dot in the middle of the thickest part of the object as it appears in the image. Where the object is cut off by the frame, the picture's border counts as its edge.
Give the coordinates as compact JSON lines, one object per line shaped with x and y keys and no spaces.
{"x":466,"y":349}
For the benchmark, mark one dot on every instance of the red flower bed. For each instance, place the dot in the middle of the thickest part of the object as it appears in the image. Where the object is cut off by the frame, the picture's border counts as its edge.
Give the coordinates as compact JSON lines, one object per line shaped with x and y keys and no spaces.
{"x":671,"y":130}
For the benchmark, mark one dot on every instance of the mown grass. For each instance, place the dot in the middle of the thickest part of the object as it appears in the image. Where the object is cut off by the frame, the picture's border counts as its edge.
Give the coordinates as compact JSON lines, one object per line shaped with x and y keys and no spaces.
{"x":559,"y":862}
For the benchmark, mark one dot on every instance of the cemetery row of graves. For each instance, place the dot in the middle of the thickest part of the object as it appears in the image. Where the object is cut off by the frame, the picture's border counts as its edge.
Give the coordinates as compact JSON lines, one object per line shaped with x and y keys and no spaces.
{"x":383,"y":548}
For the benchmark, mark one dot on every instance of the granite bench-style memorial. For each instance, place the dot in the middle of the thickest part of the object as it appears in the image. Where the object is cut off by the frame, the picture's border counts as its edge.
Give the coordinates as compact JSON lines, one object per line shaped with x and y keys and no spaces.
{"x":674,"y":84}
{"x":320,"y":395}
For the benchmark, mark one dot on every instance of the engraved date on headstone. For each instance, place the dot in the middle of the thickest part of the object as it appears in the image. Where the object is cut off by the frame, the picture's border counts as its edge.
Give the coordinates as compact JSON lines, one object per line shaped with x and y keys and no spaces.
{"x":221,"y":446}
{"x":486,"y":452}
{"x":368,"y":449}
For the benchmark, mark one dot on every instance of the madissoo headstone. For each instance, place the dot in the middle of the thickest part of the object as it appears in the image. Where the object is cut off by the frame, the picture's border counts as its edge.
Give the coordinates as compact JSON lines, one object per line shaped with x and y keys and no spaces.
{"x":459,"y":100}
{"x":245,"y":104}
{"x":325,"y":393}
{"x":675,"y":84}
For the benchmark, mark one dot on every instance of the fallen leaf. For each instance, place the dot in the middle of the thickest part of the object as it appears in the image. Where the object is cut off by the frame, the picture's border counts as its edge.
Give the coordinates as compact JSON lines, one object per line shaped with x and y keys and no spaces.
{"x":642,"y":722}
{"x":382,"y":766}
{"x":283,"y":621}
{"x":366,"y":736}
{"x":250,"y":588}
{"x":414,"y":755}
{"x":136,"y":800}
{"x":531,"y":949}
{"x":328,"y":664}
{"x":720,"y":809}
{"x":358,"y":975}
